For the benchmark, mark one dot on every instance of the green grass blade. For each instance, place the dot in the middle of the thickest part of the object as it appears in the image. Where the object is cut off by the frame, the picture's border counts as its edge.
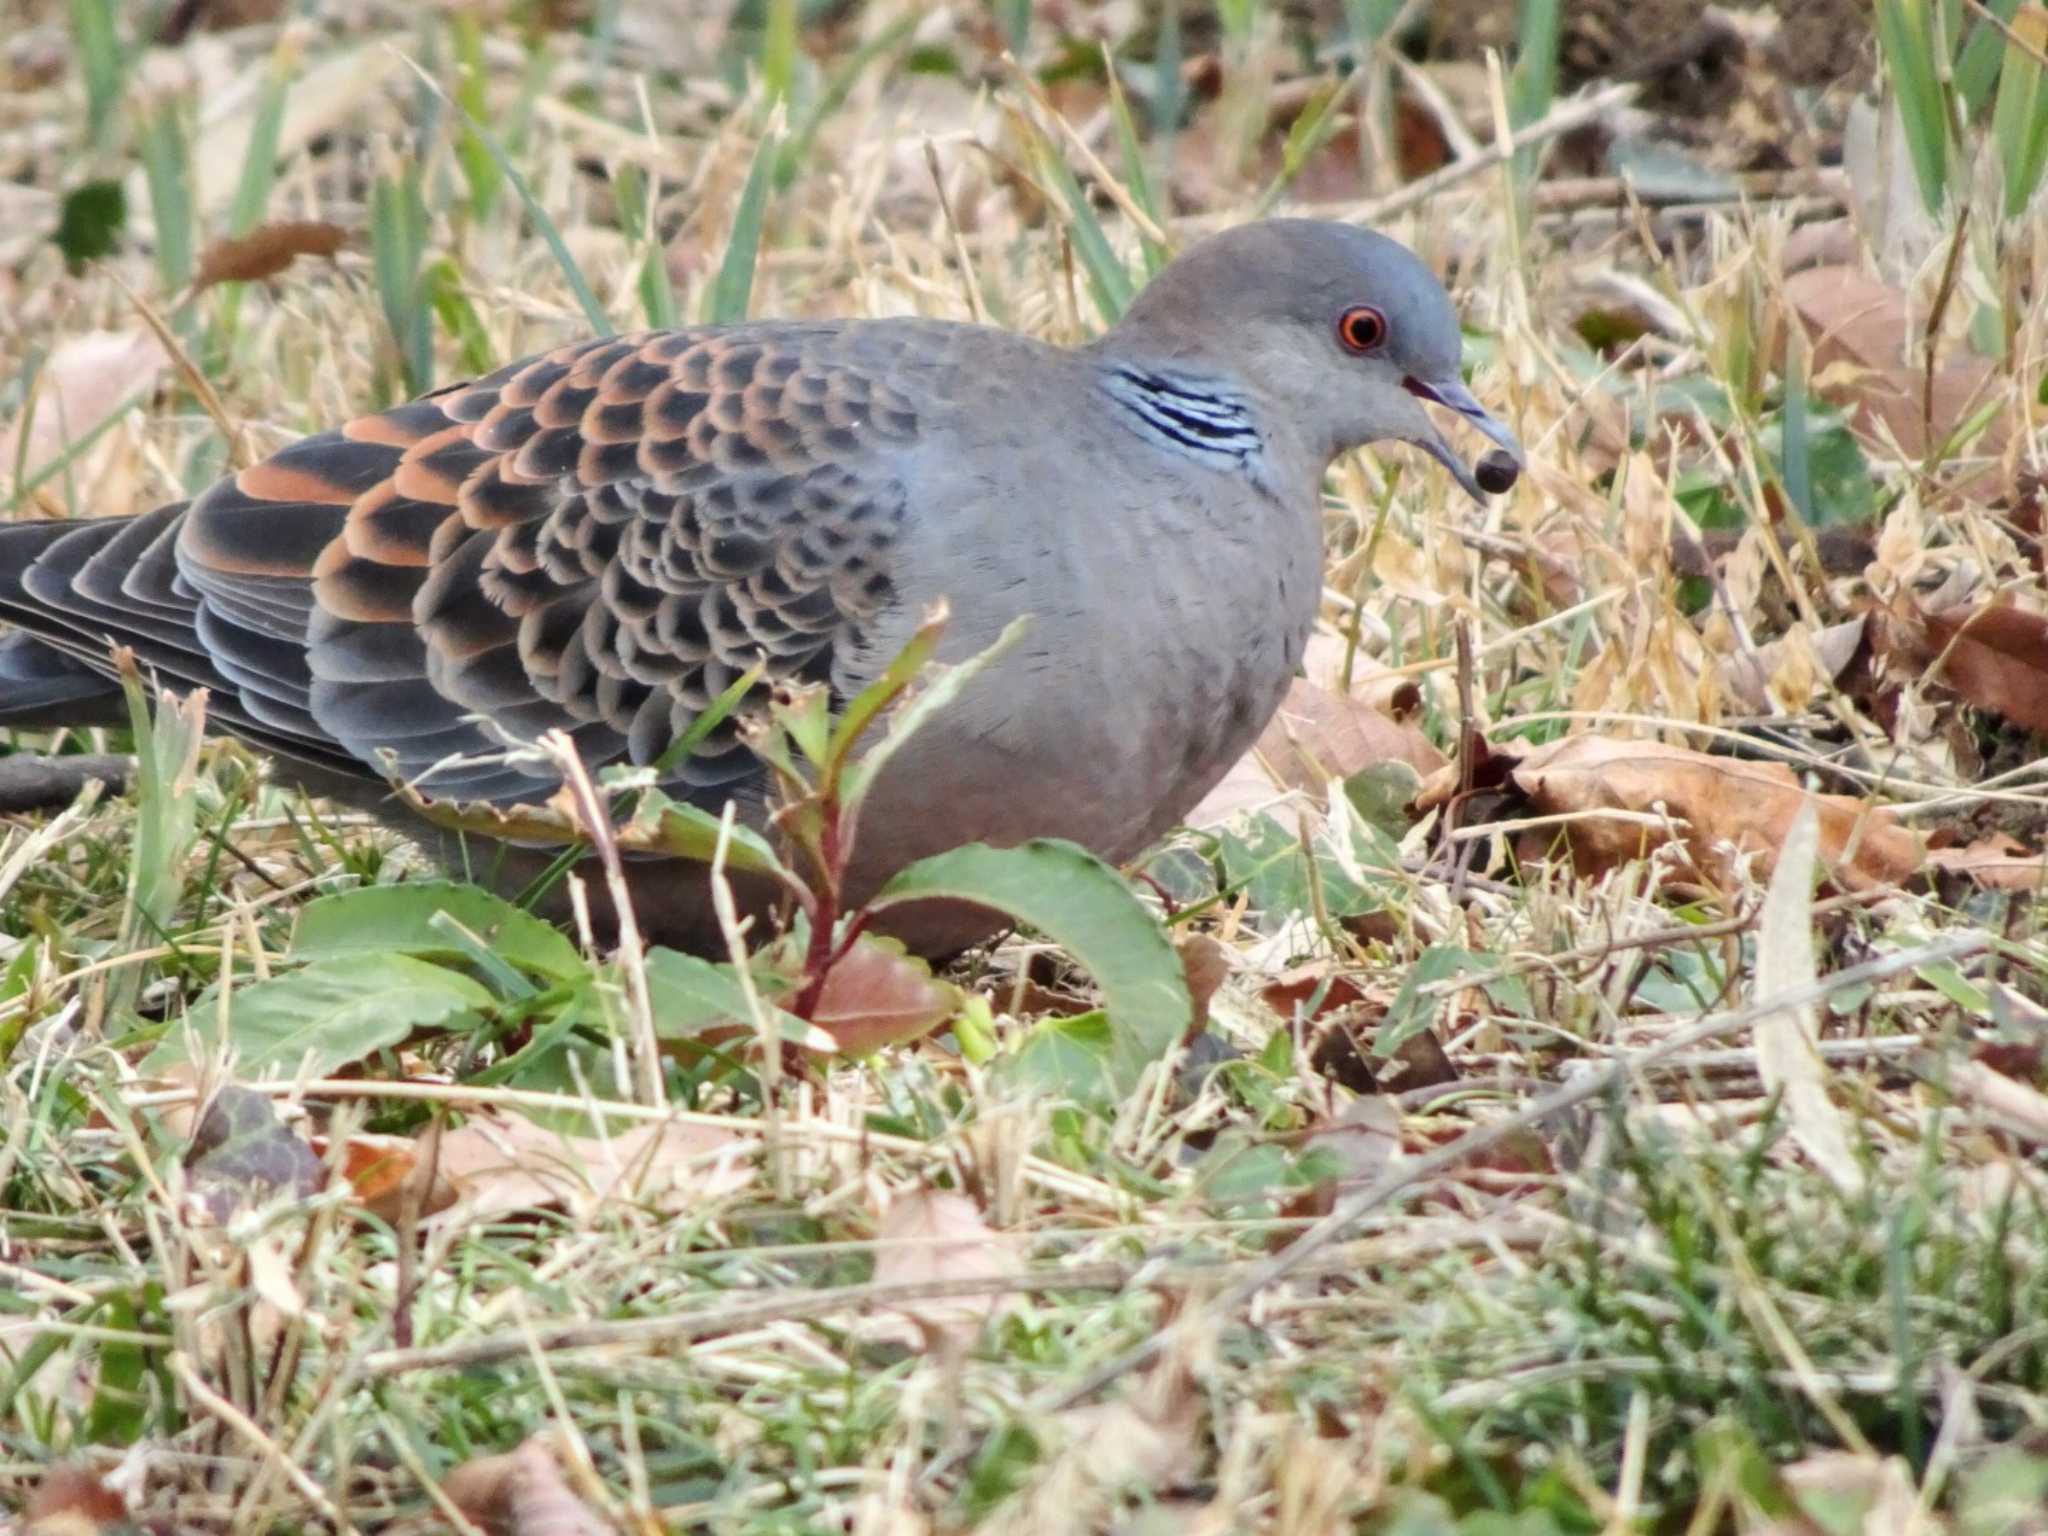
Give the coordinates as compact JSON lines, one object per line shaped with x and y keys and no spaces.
{"x":166,"y":165}
{"x":796,"y":149}
{"x":586,"y":298}
{"x":579,"y":285}
{"x":1797,"y":464}
{"x":442,"y":285}
{"x":1369,"y":20}
{"x":486,"y":180}
{"x":2019,"y":123}
{"x":167,"y":742}
{"x":713,"y":715}
{"x":657,"y":293}
{"x":1108,"y":279}
{"x":777,"y":60}
{"x":1905,"y":34}
{"x":1978,"y":64}
{"x":604,"y":39}
{"x":1137,"y":178}
{"x":61,"y":463}
{"x":1532,"y":87}
{"x":636,"y":212}
{"x":1169,"y":101}
{"x":733,"y":289}
{"x":100,"y":62}
{"x":259,"y":164}
{"x":1014,"y":16}
{"x":1312,"y":129}
{"x":398,"y":237}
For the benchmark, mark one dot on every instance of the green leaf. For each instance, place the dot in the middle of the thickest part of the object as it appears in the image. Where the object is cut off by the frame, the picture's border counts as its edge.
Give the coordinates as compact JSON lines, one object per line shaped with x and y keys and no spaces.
{"x":1241,"y":1174}
{"x":1835,"y":485}
{"x":90,"y":222}
{"x":1067,"y":1058}
{"x":1410,"y":1013}
{"x":382,"y":919}
{"x":689,"y":994}
{"x":2003,"y":1492}
{"x":331,"y":1013}
{"x":1264,"y":856}
{"x":888,"y":685}
{"x":681,"y":830}
{"x":1079,"y":902}
{"x":938,"y":694}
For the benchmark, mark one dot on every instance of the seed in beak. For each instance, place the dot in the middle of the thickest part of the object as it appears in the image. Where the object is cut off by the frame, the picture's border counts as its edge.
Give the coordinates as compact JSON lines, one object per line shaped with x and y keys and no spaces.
{"x":1497,"y":471}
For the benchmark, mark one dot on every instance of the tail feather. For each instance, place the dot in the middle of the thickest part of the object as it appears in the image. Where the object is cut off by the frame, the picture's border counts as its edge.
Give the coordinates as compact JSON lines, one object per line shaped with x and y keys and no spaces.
{"x":42,"y":685}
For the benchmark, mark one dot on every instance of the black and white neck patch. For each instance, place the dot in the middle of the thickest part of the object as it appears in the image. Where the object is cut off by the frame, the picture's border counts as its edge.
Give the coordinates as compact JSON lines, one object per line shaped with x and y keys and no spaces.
{"x":1193,"y":416}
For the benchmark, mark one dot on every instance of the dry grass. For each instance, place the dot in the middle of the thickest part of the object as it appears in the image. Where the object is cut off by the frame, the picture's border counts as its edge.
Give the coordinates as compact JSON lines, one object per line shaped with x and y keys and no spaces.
{"x":1645,"y":1305}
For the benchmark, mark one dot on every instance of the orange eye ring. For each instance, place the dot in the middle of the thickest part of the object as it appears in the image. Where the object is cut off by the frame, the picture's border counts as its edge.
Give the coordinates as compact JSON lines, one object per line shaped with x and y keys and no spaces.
{"x":1361,"y":328}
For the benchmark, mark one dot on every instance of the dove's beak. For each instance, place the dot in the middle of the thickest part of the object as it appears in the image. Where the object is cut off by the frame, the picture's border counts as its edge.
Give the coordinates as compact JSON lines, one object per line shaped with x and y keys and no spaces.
{"x":1496,"y":473}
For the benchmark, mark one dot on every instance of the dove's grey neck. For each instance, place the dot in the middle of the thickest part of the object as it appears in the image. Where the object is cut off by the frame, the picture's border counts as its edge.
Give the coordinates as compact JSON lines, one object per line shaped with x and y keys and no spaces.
{"x":1186,"y":413}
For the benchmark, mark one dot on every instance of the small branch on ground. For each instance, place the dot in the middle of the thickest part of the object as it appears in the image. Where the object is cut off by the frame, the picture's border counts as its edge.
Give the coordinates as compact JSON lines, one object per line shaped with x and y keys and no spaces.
{"x":32,"y":782}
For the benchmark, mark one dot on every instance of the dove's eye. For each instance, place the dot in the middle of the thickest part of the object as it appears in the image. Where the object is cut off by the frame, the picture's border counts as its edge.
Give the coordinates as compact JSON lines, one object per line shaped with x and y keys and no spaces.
{"x":1362,"y":328}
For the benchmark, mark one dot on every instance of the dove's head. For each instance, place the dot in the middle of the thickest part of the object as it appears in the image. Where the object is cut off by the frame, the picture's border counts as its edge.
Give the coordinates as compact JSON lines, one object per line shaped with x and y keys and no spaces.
{"x":1332,"y":332}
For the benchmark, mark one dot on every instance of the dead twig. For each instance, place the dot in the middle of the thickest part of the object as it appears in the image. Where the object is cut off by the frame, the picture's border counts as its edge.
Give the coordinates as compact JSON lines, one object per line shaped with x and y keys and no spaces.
{"x":32,"y":782}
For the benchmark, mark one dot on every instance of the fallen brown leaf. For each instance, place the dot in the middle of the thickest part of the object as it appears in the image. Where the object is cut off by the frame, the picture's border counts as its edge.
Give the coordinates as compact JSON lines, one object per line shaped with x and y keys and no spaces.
{"x":1853,"y":1491}
{"x":1360,"y":1142}
{"x":933,"y":1234}
{"x":1722,"y":810}
{"x":1147,"y":1440}
{"x":1995,"y":656}
{"x":1859,"y":327}
{"x":1997,"y":862}
{"x":71,"y":1500}
{"x":266,"y":251}
{"x":1316,"y":736}
{"x":377,"y":1168}
{"x":494,"y":1164}
{"x":1788,"y":670}
{"x":521,"y":1493}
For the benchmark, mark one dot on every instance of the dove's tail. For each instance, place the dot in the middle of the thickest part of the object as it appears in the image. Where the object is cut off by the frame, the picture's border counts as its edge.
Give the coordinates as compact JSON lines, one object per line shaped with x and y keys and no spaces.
{"x":42,"y":684}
